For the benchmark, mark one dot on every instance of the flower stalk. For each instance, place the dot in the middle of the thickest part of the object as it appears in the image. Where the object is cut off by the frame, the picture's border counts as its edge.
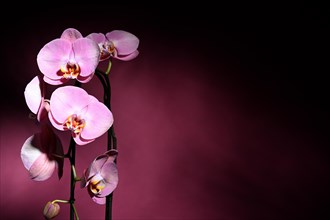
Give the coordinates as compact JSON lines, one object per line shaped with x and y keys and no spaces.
{"x":111,"y":138}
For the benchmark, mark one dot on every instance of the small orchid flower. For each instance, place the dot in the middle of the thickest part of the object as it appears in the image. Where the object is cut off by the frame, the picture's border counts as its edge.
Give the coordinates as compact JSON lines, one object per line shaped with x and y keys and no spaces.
{"x":68,"y":57}
{"x":51,"y":210}
{"x":73,"y":109}
{"x":40,"y":152}
{"x":118,"y":44}
{"x":101,"y":177}
{"x":34,"y":97}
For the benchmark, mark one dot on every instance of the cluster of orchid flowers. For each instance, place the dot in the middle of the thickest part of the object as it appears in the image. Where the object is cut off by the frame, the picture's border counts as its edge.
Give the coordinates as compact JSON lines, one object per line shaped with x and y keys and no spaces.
{"x":70,"y":108}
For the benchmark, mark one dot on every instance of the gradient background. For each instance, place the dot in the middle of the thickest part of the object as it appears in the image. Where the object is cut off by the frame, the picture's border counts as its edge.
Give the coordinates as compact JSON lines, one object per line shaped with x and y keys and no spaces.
{"x":223,"y":115}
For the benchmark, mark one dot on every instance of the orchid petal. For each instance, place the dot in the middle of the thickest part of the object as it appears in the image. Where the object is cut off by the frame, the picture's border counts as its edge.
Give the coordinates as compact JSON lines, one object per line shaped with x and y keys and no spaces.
{"x":52,"y":56}
{"x":55,"y":123}
{"x":43,"y":110}
{"x":128,"y":57}
{"x":42,"y":168}
{"x":109,"y":173}
{"x":29,"y":153}
{"x":55,"y":82}
{"x":86,"y":54}
{"x":32,"y":94}
{"x":85,"y":79}
{"x":66,"y":101}
{"x":51,"y":144}
{"x":99,"y":200}
{"x":37,"y":154}
{"x":108,"y":189}
{"x":71,"y":34}
{"x":35,"y":161}
{"x":98,"y":120}
{"x":96,"y":165}
{"x":99,"y":38}
{"x":125,"y":42}
{"x":84,"y":182}
{"x":80,"y":141}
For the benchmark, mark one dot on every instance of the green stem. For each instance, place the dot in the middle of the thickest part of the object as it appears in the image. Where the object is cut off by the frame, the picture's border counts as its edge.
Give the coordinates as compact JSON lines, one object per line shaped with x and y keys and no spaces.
{"x":75,"y":212}
{"x":109,"y":67}
{"x":60,"y":201}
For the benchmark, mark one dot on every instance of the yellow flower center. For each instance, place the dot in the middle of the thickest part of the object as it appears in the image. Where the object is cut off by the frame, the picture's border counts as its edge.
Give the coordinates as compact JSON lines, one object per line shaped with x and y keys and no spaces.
{"x":96,"y":186}
{"x":70,"y":70}
{"x":75,"y":124}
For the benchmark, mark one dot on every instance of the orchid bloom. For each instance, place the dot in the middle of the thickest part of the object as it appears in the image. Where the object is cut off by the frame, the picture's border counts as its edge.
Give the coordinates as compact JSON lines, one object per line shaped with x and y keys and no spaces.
{"x":69,"y":57}
{"x":40,"y":152}
{"x":34,"y":97}
{"x":101,"y":177}
{"x":73,"y":109}
{"x":118,"y":44}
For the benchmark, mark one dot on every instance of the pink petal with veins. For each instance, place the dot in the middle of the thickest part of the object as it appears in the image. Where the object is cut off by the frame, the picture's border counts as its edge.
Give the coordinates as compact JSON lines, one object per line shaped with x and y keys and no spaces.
{"x":109,"y":173}
{"x":67,"y":100}
{"x":42,"y":168}
{"x":125,"y":42}
{"x":71,"y":34}
{"x":99,"y":38}
{"x":98,"y":120}
{"x":52,"y":56}
{"x":86,"y":54}
{"x":37,"y":154}
{"x":128,"y":57}
{"x":96,"y":166}
{"x":56,"y":124}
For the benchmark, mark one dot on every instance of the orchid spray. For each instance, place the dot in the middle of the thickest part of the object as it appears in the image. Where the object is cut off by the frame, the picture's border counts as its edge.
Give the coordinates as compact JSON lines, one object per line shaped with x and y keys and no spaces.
{"x":70,"y":108}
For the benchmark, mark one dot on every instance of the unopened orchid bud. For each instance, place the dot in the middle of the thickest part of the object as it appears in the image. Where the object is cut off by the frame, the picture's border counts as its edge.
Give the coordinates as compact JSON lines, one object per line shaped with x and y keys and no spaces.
{"x":51,"y":210}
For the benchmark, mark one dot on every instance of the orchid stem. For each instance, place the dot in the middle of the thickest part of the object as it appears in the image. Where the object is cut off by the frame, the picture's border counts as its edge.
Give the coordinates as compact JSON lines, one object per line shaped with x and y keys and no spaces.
{"x":109,"y":67}
{"x":75,"y":212}
{"x":111,"y":138}
{"x":72,"y":152}
{"x":60,"y":201}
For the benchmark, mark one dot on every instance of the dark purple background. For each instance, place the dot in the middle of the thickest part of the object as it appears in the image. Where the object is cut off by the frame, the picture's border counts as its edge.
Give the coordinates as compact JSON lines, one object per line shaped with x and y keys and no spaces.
{"x":223,"y":115}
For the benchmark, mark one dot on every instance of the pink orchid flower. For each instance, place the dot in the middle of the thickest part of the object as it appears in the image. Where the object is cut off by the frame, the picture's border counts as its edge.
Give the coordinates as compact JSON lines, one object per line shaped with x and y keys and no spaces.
{"x":118,"y":44}
{"x":34,"y":97}
{"x":72,"y":108}
{"x":39,"y":154}
{"x":101,"y":177}
{"x":68,"y":57}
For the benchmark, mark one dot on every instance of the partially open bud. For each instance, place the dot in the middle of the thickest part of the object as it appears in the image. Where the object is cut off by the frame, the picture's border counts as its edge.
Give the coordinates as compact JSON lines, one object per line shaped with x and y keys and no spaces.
{"x":51,"y":210}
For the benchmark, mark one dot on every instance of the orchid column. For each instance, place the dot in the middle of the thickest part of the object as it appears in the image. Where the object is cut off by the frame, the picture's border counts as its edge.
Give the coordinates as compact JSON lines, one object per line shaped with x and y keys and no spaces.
{"x":70,"y":108}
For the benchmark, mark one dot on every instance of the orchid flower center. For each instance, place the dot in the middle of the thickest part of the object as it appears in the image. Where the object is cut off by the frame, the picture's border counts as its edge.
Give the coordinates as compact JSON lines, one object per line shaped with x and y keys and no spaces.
{"x":107,"y":49}
{"x":70,"y":70}
{"x":75,"y":124}
{"x":96,"y":186}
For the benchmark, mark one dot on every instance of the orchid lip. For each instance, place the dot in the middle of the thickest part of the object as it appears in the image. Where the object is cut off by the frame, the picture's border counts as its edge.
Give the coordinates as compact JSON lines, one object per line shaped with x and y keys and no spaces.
{"x":96,"y":186}
{"x":70,"y":70}
{"x":75,"y":124}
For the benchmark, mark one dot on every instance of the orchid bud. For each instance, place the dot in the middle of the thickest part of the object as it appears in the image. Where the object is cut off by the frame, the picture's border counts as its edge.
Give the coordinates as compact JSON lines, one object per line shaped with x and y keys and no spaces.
{"x":51,"y":210}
